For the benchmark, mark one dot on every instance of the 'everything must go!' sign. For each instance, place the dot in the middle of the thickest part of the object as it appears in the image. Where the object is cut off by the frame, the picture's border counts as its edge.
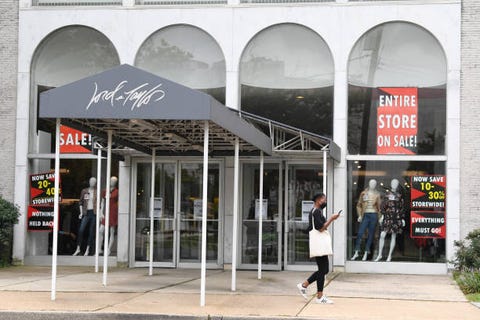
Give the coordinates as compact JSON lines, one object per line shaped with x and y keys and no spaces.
{"x":397,"y":122}
{"x":427,"y":224}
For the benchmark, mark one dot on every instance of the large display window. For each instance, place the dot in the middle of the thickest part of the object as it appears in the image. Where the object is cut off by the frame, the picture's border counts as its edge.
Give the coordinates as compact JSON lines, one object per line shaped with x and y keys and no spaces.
{"x":66,"y":55}
{"x":77,"y":212}
{"x":287,"y":74}
{"x":187,"y":55}
{"x":397,"y":211}
{"x":397,"y":92}
{"x":397,"y":75}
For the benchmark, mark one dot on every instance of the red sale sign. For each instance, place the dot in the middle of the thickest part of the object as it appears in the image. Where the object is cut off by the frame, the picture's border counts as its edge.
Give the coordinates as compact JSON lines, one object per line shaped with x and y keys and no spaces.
{"x":40,"y":218}
{"x":42,"y":189}
{"x":427,"y":224}
{"x":397,"y":122}
{"x":74,"y":141}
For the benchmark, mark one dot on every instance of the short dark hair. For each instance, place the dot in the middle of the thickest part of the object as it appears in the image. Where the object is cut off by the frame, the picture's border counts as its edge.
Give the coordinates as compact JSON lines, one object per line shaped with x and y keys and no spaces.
{"x":318,"y":195}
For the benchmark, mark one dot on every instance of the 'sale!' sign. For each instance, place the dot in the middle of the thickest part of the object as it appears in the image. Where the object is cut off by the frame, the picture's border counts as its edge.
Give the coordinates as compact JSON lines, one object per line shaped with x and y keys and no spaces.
{"x":74,"y":141}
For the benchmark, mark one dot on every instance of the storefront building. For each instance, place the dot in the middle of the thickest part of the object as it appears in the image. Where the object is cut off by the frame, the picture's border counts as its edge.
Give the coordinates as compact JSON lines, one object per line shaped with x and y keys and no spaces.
{"x":380,"y":80}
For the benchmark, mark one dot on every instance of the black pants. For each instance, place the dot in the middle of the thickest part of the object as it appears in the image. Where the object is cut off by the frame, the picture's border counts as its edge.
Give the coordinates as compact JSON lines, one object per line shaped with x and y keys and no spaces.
{"x":319,"y":276}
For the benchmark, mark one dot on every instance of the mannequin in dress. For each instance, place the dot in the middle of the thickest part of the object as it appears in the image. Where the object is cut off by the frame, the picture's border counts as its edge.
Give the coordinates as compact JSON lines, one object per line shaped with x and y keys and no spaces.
{"x":368,"y":211}
{"x":392,"y":220}
{"x":113,"y":217}
{"x":87,"y":207}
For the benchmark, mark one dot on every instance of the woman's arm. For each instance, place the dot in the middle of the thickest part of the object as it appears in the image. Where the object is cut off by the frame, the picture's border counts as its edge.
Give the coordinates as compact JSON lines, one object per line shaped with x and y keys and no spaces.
{"x":328,"y":222}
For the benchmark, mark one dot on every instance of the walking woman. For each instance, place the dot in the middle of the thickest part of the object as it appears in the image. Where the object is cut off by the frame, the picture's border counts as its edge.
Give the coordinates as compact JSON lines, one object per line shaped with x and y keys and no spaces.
{"x":321,"y":224}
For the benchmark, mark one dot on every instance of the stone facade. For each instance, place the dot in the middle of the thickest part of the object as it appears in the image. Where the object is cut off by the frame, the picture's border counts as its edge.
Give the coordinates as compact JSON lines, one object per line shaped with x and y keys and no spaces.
{"x":470,"y":111}
{"x":8,"y":93}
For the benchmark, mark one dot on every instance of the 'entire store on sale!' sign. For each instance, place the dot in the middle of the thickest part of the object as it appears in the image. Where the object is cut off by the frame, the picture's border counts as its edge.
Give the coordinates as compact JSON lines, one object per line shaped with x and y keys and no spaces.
{"x":397,"y":122}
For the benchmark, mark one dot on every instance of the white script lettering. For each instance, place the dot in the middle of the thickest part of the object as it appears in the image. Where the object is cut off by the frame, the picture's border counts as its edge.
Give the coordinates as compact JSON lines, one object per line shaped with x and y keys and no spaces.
{"x":133,"y":98}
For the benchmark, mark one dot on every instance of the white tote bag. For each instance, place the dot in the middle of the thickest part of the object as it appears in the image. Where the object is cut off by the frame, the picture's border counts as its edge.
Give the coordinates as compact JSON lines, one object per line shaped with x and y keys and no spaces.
{"x":320,"y":242}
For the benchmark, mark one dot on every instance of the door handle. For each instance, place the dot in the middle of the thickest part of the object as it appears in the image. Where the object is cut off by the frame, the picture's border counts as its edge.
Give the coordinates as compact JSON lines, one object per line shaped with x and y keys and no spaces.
{"x":175,"y":222}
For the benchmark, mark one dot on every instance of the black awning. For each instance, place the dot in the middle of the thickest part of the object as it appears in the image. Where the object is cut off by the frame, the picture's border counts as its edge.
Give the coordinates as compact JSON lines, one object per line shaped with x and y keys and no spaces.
{"x":146,"y":111}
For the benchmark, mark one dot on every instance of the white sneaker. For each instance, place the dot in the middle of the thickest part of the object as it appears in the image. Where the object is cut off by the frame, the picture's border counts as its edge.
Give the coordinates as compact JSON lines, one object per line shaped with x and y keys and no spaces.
{"x":302,"y":290}
{"x":324,"y":299}
{"x":355,"y":256}
{"x":365,"y":256}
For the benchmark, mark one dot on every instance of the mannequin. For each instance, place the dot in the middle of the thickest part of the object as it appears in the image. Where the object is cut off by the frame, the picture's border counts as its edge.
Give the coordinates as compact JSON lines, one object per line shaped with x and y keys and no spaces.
{"x":368,"y":211}
{"x":393,"y":218}
{"x":113,"y":217}
{"x":87,"y":207}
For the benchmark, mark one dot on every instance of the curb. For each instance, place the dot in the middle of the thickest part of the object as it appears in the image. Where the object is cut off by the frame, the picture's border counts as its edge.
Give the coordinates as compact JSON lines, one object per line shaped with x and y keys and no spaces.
{"x":60,"y":315}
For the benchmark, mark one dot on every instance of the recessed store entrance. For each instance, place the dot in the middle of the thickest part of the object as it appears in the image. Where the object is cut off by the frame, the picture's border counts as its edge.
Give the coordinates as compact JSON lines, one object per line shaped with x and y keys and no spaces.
{"x":287,"y":190}
{"x":177,"y":214}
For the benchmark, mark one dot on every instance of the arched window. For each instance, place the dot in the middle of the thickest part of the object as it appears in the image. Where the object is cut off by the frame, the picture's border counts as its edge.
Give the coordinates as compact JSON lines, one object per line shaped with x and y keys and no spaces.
{"x":186,"y":55}
{"x":66,"y":55}
{"x":70,"y":54}
{"x":397,"y":75}
{"x":397,"y":92}
{"x":286,"y":74}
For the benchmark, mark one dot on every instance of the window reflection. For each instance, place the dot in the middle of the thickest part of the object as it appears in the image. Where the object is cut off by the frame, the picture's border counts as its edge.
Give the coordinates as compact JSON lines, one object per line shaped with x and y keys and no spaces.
{"x":286,"y":74}
{"x":72,"y":53}
{"x":186,"y":55}
{"x":397,"y":55}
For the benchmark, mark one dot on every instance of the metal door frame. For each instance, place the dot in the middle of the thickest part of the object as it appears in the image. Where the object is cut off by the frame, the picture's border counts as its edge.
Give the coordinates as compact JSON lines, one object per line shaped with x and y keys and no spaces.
{"x":176,"y":243}
{"x":221,"y":192}
{"x":288,"y":164}
{"x":251,"y":266}
{"x":133,"y":219}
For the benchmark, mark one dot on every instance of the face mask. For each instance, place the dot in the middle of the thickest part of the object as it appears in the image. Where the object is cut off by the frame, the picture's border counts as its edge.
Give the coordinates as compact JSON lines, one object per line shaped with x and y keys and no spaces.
{"x":323,"y":205}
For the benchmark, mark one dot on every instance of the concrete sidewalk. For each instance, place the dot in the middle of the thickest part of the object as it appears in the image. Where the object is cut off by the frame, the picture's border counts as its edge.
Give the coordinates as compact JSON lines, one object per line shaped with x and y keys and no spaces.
{"x":174,"y":294}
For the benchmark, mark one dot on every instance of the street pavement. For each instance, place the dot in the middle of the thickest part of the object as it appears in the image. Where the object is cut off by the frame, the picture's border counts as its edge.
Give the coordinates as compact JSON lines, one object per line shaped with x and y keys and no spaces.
{"x":175,"y":294}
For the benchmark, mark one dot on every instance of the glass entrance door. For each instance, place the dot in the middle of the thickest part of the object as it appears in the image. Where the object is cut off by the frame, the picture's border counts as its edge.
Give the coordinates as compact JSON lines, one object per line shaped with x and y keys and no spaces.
{"x":177,"y":214}
{"x":303,"y":181}
{"x":164,"y":247}
{"x":190,"y":215}
{"x":271,"y":219}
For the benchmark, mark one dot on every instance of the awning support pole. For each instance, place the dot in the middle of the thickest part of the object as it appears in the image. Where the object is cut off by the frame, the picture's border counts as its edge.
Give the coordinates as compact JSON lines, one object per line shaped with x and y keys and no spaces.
{"x":97,"y":222}
{"x":260,"y":218}
{"x":152,"y":199}
{"x":325,"y":172}
{"x":106,"y":252}
{"x":56,"y":204}
{"x":235,"y":214}
{"x":204,"y":214}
